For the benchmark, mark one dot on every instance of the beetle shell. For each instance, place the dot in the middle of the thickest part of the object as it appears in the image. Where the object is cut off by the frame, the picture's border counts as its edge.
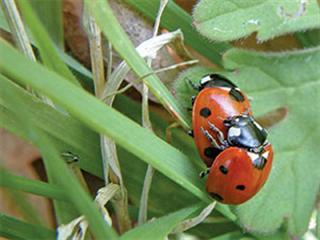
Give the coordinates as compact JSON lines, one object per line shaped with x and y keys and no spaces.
{"x":233,"y":178}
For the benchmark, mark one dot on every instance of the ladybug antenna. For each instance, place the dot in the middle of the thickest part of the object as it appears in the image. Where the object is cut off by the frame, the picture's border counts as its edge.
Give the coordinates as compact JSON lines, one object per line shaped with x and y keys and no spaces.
{"x":193,"y":85}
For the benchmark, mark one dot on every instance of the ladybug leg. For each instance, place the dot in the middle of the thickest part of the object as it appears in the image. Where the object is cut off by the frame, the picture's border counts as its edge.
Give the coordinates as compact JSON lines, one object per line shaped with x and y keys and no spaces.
{"x":211,"y":139}
{"x":219,"y":134}
{"x":204,"y":173}
{"x":190,"y":133}
{"x":193,"y":98}
{"x":193,"y":86}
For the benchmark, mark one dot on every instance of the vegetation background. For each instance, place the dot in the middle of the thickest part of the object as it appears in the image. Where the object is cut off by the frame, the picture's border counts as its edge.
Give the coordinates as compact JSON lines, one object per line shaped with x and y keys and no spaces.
{"x":88,"y":135}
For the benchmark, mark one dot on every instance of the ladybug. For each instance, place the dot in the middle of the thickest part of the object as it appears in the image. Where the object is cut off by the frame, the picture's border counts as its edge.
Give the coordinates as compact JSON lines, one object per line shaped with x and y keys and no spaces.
{"x":245,"y":132}
{"x":233,"y":179}
{"x":217,"y":102}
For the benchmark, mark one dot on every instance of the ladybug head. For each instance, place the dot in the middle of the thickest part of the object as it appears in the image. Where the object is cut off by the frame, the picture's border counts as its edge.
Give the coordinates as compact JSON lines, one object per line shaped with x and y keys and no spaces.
{"x":238,"y":121}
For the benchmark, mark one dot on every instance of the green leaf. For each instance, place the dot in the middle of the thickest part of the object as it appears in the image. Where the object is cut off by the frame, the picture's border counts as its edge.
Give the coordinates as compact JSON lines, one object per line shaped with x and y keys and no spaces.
{"x":50,"y":14}
{"x":120,"y":41}
{"x":227,"y":20}
{"x":161,"y":227}
{"x":37,"y":187}
{"x":47,"y":49}
{"x":309,"y":39}
{"x":183,"y":85}
{"x":173,"y":18}
{"x":13,"y":228}
{"x":290,"y":79}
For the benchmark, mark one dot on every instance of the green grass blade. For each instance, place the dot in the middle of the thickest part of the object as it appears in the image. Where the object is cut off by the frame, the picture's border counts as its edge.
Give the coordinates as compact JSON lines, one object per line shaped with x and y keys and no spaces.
{"x":70,"y":135}
{"x":174,"y":17}
{"x":50,"y":14}
{"x":37,"y":187}
{"x":76,"y":194}
{"x":15,"y":105}
{"x":159,"y":228}
{"x":120,"y":41}
{"x":46,"y":47}
{"x":13,"y":228}
{"x":103,"y":119}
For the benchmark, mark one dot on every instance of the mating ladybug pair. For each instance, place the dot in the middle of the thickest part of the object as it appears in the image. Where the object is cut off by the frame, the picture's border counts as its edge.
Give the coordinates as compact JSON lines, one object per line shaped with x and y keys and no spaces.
{"x":231,"y":143}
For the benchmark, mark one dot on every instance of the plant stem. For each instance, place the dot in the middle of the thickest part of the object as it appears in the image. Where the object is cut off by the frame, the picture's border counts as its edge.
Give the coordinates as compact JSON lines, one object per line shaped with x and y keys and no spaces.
{"x":96,"y":56}
{"x":107,"y":96}
{"x":17,"y":28}
{"x":142,"y":218}
{"x":111,"y":166}
{"x":20,"y":36}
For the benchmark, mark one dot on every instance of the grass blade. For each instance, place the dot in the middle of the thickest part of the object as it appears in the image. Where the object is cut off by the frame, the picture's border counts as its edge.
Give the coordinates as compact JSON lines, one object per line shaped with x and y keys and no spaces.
{"x":13,"y":228}
{"x":37,"y":187}
{"x":50,"y":14}
{"x":46,"y":47}
{"x":120,"y":41}
{"x":70,"y":135}
{"x":95,"y":114}
{"x":76,"y":194}
{"x":161,"y":227}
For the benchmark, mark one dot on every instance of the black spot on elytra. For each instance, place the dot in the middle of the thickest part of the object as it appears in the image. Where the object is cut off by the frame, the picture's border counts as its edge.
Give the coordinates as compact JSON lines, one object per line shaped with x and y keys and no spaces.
{"x":211,"y":152}
{"x":241,"y":187}
{"x":223,"y":169}
{"x":216,"y":196}
{"x":236,"y":95}
{"x":205,"y":112}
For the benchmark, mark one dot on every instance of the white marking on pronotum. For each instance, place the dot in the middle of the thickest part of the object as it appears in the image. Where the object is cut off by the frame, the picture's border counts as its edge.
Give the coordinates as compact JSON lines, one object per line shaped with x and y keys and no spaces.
{"x":253,"y":156}
{"x":226,"y":88}
{"x":265,"y":155}
{"x":258,"y":126}
{"x":205,"y":79}
{"x":234,"y":132}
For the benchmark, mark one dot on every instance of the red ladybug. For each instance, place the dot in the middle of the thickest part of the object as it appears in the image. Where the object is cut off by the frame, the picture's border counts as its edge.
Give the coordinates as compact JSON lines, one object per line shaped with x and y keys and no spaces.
{"x":217,"y":102}
{"x":233,"y":177}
